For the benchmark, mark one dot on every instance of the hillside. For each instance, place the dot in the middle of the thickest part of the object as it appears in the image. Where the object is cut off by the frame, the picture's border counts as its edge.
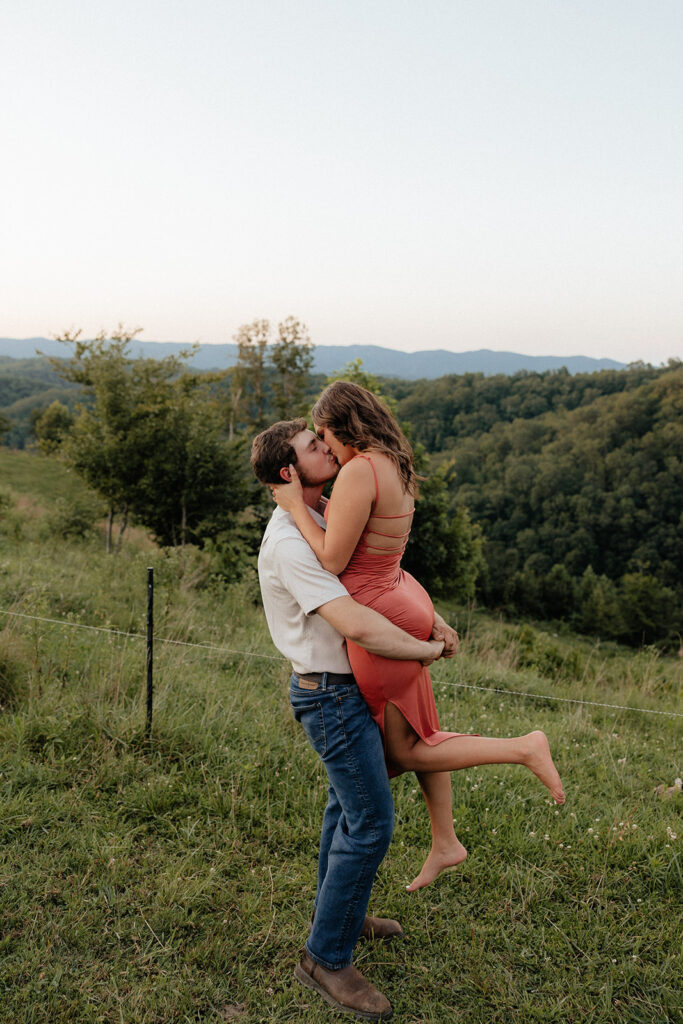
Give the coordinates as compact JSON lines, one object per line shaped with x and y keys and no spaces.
{"x":578,"y":491}
{"x":575,"y":483}
{"x":172,"y":879}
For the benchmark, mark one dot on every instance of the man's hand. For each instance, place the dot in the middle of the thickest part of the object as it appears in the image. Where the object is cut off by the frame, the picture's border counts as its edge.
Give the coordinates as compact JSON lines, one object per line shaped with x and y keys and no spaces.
{"x":437,"y":649}
{"x":442,"y":631}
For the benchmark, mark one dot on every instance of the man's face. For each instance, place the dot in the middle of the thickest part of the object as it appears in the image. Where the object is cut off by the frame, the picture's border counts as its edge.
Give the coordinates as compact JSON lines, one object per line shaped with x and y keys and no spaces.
{"x":315,"y":462}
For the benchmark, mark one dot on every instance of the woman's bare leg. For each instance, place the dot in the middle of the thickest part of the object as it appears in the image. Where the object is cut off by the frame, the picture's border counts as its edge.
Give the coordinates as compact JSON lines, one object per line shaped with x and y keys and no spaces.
{"x":447,"y":851}
{"x":408,"y":751}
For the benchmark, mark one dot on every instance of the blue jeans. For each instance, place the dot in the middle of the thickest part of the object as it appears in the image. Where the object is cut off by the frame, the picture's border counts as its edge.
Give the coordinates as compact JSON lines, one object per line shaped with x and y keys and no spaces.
{"x":359,"y":817}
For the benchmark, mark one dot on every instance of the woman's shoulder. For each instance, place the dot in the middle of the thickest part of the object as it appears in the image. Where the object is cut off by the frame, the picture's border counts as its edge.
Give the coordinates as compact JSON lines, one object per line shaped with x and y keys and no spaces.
{"x":357,"y":470}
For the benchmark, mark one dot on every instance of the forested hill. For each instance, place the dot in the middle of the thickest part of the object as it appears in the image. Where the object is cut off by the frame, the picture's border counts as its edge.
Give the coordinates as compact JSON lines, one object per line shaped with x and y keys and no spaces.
{"x":559,"y":495}
{"x":577,"y":485}
{"x":443,"y":411}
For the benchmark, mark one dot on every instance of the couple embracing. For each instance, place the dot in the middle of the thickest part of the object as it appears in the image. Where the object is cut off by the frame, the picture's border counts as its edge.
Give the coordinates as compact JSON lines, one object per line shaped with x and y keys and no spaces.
{"x":360,"y":634}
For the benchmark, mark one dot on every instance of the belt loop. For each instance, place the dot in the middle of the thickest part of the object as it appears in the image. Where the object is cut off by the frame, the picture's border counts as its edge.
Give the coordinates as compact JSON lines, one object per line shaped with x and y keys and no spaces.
{"x":323,"y":682}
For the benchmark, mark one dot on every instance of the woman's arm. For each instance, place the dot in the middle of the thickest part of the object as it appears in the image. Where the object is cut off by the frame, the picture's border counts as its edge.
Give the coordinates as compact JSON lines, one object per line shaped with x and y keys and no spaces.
{"x":349,"y":510}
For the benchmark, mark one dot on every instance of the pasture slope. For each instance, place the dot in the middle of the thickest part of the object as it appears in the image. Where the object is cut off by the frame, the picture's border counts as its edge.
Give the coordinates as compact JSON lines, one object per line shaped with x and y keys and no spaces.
{"x":171,"y":880}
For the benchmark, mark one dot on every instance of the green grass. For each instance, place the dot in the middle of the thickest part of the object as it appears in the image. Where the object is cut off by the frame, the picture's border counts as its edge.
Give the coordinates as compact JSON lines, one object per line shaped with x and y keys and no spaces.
{"x":38,"y":477}
{"x":171,"y":881}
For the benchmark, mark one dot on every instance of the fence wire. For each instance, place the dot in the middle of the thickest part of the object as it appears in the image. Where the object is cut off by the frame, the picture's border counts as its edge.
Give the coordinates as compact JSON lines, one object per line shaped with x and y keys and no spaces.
{"x":272,"y":657}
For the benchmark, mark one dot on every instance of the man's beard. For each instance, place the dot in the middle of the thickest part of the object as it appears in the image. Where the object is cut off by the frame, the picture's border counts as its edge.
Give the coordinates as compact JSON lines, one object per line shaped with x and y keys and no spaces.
{"x":309,"y":481}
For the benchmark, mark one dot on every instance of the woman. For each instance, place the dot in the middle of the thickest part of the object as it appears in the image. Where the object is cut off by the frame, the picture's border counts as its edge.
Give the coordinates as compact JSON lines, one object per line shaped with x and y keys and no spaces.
{"x":368,"y":523}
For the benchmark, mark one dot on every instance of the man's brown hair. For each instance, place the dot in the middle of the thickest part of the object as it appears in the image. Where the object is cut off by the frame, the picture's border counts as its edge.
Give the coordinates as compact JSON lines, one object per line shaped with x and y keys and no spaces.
{"x":272,"y":449}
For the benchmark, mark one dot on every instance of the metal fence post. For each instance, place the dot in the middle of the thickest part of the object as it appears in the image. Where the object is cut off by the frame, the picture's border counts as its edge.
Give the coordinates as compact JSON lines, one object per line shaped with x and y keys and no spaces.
{"x":150,"y":648}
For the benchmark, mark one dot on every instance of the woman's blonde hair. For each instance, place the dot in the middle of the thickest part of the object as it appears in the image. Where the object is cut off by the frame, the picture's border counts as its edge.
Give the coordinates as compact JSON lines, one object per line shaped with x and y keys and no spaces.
{"x":359,"y":418}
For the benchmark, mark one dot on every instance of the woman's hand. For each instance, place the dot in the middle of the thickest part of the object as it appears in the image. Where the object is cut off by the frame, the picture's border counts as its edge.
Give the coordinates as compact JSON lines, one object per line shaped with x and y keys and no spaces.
{"x":289,"y":496}
{"x":437,"y":650}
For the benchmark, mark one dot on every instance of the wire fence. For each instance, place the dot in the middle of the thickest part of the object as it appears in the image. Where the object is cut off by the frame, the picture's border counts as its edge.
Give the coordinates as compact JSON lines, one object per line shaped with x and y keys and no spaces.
{"x":271,"y":657}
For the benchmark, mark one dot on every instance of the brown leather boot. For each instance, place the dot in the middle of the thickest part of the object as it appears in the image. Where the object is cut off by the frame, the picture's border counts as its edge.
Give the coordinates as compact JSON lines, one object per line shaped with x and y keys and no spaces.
{"x":381,"y":928}
{"x":345,"y":990}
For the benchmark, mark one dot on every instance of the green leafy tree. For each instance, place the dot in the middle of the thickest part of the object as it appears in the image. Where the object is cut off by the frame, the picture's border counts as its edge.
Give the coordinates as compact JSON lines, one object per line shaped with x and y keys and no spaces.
{"x":150,"y":442}
{"x":196,"y":483}
{"x":558,"y":593}
{"x":248,"y":380}
{"x":649,"y":609}
{"x":111,"y":441}
{"x":51,"y":426}
{"x":598,"y":608}
{"x":291,"y":357}
{"x":5,"y":425}
{"x":354,"y":372}
{"x":444,"y":550}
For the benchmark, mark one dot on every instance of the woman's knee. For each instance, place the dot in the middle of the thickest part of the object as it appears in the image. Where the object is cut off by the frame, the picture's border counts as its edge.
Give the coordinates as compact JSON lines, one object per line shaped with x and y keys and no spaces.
{"x":401,"y":754}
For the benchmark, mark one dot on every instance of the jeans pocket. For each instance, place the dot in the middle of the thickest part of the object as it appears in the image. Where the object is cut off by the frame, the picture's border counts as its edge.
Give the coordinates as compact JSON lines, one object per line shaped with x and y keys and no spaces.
{"x":312,"y":719}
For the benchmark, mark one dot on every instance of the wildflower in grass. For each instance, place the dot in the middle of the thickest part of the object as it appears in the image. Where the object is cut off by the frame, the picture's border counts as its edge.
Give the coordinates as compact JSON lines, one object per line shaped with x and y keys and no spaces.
{"x":671,"y":834}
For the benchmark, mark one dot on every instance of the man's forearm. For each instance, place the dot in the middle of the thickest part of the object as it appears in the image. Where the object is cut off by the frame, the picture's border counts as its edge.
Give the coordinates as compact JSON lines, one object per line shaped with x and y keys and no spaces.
{"x":370,"y":630}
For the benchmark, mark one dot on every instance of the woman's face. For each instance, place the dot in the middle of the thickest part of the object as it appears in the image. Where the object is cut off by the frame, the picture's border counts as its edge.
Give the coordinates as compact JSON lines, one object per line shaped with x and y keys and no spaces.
{"x":342,"y":452}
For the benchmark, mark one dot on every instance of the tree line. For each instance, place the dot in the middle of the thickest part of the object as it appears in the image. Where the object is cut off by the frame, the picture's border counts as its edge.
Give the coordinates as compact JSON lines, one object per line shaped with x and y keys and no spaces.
{"x":544,"y":494}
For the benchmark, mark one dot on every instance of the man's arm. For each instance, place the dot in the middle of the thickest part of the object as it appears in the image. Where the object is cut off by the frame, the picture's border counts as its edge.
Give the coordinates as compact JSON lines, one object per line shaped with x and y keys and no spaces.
{"x":370,"y":630}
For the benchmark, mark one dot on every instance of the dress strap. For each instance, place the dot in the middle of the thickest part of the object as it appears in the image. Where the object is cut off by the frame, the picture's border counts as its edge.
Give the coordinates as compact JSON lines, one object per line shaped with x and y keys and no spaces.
{"x":366,"y":458}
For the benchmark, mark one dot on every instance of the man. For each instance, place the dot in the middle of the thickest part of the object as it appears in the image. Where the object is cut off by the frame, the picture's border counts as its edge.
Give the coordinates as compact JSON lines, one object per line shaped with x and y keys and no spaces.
{"x":309,"y":612}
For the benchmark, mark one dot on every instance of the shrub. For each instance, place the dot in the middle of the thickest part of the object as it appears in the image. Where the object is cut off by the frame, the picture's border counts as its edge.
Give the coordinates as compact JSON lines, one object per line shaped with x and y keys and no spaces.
{"x":75,"y":518}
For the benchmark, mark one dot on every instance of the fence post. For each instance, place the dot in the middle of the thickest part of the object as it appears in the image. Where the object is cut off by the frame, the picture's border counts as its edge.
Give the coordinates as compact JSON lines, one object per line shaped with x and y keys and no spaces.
{"x":150,"y":648}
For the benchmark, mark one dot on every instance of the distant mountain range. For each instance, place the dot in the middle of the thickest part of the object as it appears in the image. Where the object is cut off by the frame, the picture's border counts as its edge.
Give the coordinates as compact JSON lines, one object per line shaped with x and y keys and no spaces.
{"x":383,"y":362}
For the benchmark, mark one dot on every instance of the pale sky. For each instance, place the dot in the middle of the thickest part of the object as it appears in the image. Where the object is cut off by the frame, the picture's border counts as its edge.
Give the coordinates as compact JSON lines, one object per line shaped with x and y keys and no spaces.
{"x":463,"y":174}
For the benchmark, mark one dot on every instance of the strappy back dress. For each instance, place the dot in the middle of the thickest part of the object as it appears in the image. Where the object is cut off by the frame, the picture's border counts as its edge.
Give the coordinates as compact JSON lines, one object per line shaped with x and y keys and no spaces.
{"x":374,"y":578}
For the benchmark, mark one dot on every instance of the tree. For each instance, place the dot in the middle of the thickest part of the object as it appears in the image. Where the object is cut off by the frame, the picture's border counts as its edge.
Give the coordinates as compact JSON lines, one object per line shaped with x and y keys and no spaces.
{"x":150,"y":443}
{"x":110,"y":443}
{"x":291,"y":356}
{"x":50,"y":426}
{"x":444,"y":550}
{"x":248,"y":378}
{"x":597,"y":606}
{"x":270,"y":377}
{"x":649,"y":610}
{"x":355,"y":373}
{"x":196,"y":483}
{"x":5,"y":425}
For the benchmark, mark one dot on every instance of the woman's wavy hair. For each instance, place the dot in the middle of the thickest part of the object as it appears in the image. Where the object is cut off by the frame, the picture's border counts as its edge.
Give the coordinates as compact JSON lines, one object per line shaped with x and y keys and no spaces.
{"x":359,"y":418}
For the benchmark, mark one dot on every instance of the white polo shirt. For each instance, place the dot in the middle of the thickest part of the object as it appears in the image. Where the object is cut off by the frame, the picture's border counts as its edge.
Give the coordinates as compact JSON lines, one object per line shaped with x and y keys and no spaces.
{"x":293,"y":585}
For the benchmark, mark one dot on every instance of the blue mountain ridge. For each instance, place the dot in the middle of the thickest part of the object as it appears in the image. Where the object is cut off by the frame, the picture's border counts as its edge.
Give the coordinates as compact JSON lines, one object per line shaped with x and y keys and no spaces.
{"x":328,"y":359}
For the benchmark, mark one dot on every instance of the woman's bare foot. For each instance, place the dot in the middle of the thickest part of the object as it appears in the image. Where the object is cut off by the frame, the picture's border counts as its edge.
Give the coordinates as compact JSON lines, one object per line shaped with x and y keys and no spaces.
{"x":438,"y":861}
{"x":539,"y":761}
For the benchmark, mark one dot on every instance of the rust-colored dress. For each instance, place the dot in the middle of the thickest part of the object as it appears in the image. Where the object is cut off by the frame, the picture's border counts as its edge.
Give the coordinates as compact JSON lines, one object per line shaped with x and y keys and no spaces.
{"x":374,"y":578}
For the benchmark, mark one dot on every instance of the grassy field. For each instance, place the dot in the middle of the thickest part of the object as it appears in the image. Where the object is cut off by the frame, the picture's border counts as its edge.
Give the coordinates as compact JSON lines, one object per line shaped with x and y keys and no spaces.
{"x":171,"y":881}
